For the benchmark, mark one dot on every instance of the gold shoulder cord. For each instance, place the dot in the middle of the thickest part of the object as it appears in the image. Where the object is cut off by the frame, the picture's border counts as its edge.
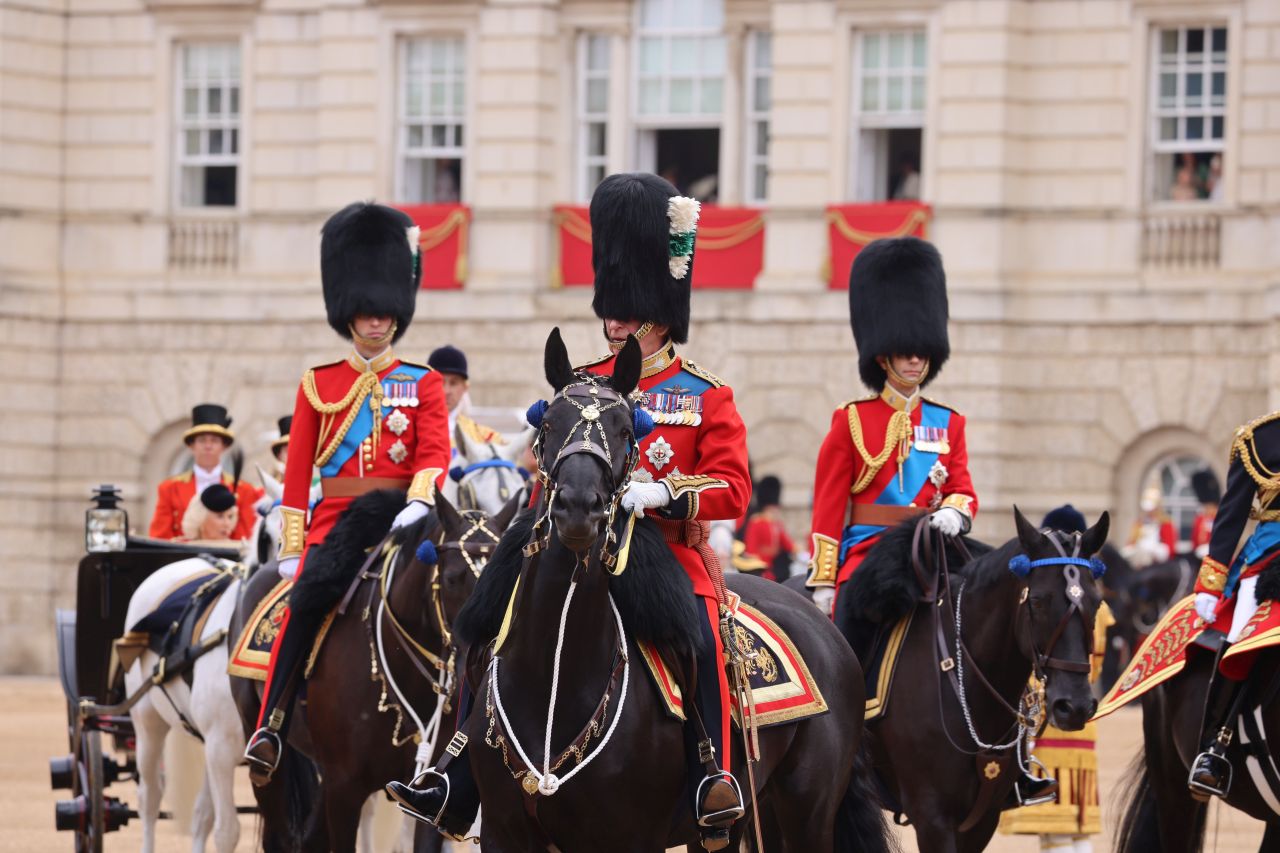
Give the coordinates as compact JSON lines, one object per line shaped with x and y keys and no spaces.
{"x":897,"y":436}
{"x":1268,"y":481}
{"x":330,"y":439}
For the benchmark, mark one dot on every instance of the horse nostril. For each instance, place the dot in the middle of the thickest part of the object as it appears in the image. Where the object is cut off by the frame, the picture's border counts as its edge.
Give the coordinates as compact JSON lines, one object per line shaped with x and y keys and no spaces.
{"x":1062,"y":708}
{"x":1093,"y":708}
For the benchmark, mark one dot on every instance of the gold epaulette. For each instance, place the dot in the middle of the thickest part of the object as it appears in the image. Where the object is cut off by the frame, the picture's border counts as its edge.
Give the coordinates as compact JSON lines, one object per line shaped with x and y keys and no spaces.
{"x":184,"y":477}
{"x":595,"y":362}
{"x":1268,"y":481}
{"x":408,"y":363}
{"x":855,"y":400}
{"x":716,"y":381}
{"x":480,"y":432}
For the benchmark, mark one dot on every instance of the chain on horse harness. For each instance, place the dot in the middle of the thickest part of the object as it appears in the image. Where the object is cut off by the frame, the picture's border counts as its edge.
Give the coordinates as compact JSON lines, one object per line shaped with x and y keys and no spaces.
{"x":592,"y":397}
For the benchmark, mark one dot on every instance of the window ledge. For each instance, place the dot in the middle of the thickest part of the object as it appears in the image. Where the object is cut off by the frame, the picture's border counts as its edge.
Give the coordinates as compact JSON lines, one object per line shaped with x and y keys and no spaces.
{"x":184,"y":5}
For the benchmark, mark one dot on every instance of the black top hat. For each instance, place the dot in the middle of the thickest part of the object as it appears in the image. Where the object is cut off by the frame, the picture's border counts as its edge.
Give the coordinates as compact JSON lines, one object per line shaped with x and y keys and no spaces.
{"x":448,"y":359}
{"x":369,"y":265}
{"x":1066,"y":518}
{"x":1206,"y":486}
{"x":209,"y":418}
{"x":631,"y":244}
{"x":283,"y":441}
{"x":898,"y":306}
{"x":217,"y":498}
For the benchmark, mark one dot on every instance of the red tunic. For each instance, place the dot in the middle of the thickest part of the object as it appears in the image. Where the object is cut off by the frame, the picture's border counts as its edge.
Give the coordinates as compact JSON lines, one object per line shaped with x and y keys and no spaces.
{"x":766,"y":538}
{"x":698,"y":447}
{"x":1201,"y":529}
{"x":174,"y":495}
{"x":416,"y":442}
{"x":841,"y":464}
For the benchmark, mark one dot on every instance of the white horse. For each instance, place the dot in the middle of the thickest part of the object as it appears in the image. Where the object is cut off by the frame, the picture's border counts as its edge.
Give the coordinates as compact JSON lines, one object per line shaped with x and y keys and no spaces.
{"x":207,"y":704}
{"x":484,"y":476}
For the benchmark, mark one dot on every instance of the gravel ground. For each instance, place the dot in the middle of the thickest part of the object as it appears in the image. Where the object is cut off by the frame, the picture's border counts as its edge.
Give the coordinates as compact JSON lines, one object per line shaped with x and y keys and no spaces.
{"x":33,"y":729}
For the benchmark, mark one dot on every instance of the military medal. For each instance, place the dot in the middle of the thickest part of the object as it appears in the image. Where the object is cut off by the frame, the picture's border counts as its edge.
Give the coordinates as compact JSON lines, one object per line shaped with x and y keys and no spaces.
{"x":938,"y":474}
{"x":398,"y":452}
{"x":397,"y":422}
{"x":932,"y":440}
{"x":659,"y":453}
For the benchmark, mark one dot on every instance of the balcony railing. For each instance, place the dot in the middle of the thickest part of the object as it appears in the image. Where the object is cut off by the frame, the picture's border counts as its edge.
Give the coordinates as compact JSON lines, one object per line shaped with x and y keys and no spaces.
{"x":204,"y":246}
{"x":1182,"y":241}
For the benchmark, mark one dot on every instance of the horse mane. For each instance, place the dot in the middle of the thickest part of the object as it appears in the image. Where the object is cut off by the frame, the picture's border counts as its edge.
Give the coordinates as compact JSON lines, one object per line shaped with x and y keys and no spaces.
{"x":333,"y":564}
{"x":991,"y":566}
{"x":654,"y":595}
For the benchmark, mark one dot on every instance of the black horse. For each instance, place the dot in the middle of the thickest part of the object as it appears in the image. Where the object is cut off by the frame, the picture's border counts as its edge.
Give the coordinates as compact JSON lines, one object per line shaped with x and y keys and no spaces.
{"x":946,"y":745}
{"x":622,"y":786}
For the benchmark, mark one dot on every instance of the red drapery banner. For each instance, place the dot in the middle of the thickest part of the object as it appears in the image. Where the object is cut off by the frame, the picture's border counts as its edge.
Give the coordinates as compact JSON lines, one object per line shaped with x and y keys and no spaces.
{"x":444,"y":235}
{"x":728,"y":254}
{"x":852,"y":226}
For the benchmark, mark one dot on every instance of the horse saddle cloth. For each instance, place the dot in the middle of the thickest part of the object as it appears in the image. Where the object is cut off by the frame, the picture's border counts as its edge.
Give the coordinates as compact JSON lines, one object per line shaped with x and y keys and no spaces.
{"x":173,"y":627}
{"x":251,"y":653}
{"x":880,"y":665}
{"x":782,"y":689}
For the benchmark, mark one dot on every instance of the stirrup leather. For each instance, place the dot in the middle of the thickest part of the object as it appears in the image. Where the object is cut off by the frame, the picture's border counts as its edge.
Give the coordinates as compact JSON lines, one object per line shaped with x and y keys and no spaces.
{"x":723,"y":817}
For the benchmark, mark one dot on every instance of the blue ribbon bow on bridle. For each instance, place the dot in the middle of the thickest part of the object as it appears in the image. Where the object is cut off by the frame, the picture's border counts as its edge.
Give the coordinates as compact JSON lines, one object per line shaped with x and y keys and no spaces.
{"x":1021,"y":565}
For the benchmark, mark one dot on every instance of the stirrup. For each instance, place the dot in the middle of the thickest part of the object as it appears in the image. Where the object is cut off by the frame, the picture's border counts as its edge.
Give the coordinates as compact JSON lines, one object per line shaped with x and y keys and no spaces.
{"x":416,"y":785}
{"x":1216,"y":765}
{"x":1048,"y":793}
{"x":723,"y":817}
{"x":263,"y":767}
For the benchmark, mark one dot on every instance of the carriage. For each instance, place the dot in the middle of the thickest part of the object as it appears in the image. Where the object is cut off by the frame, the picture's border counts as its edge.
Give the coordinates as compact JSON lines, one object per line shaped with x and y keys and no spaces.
{"x":99,"y":730}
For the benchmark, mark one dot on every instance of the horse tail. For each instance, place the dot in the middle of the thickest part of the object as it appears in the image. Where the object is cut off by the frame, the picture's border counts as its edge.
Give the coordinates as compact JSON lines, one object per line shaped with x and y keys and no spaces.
{"x":1139,"y":828}
{"x":861,"y":826}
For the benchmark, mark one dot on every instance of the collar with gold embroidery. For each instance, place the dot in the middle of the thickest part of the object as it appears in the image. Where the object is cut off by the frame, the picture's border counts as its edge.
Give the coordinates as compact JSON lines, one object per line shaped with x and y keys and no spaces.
{"x":659,"y":361}
{"x":377,"y":364}
{"x":899,"y":401}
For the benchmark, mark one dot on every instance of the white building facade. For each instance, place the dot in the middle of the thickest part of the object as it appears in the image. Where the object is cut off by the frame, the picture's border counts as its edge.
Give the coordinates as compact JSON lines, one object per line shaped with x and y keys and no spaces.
{"x":1103,"y":178}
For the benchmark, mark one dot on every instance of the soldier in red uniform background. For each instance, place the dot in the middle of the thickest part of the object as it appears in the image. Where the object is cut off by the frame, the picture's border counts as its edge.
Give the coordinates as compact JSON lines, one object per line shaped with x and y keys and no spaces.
{"x":209,"y":437}
{"x":692,"y":467}
{"x":894,"y":454}
{"x":369,"y":421}
{"x":1209,"y":493}
{"x":765,"y":536}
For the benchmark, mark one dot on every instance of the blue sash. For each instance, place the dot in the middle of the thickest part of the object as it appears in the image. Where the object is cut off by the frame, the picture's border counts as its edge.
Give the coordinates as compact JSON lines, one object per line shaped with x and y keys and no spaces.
{"x":1265,"y":539}
{"x":362,"y":426}
{"x":915,"y":473}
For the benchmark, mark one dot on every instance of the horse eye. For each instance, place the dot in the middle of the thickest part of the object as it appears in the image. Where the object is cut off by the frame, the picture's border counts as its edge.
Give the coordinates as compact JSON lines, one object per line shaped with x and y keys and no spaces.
{"x":1039,"y":602}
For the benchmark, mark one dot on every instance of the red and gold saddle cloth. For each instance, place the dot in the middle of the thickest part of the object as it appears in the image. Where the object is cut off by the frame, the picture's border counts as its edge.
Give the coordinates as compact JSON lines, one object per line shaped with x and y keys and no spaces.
{"x":1164,"y":653}
{"x":781,"y":685}
{"x":251,"y":653}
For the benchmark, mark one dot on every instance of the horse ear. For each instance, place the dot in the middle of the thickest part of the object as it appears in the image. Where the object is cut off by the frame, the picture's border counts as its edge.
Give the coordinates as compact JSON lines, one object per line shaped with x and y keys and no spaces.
{"x":516,"y":445}
{"x":555,"y":361}
{"x":1028,"y":534}
{"x":449,"y":517}
{"x":502,"y":520}
{"x":1095,"y":537}
{"x":272,"y":486}
{"x":626,"y":367}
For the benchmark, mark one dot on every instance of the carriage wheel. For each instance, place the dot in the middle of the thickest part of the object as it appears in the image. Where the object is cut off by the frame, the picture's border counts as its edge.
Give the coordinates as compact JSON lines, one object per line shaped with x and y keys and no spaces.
{"x":89,"y":783}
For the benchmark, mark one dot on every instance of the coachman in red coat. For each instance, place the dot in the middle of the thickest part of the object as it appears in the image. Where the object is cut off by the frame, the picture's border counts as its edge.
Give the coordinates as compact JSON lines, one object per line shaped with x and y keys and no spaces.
{"x":369,"y":421}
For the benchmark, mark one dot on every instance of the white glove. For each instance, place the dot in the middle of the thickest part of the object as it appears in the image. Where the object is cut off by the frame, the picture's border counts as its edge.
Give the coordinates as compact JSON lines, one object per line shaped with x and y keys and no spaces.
{"x":288,"y":568}
{"x":413,"y":511}
{"x":1206,"y":605}
{"x":825,"y":598}
{"x":948,"y":521}
{"x":721,"y":541}
{"x":641,"y":496}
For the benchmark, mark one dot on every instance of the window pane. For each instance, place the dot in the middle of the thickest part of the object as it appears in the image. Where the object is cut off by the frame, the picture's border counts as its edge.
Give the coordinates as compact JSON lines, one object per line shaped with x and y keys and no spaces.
{"x":917,"y":93}
{"x":650,"y":56}
{"x":1219,"y":44}
{"x":1217,"y":127}
{"x":760,"y":100}
{"x":871,"y":51}
{"x":1195,"y":127}
{"x":650,"y":96}
{"x":192,"y":144}
{"x":457,"y":135}
{"x":1219,"y":91}
{"x":1168,"y":128}
{"x":437,"y":98}
{"x":215,"y":142}
{"x":190,"y":102}
{"x":684,"y":56}
{"x":415,"y":136}
{"x":191,"y":62}
{"x":1195,"y":46}
{"x":895,"y":95}
{"x":917,"y":50}
{"x":764,"y":51}
{"x":1169,"y":43}
{"x":595,"y":174}
{"x":192,"y":186}
{"x":415,"y":105}
{"x":439,"y":135}
{"x":215,"y":102}
{"x":415,"y":54}
{"x":762,"y":138}
{"x":712,"y":92}
{"x":652,"y":13}
{"x":439,"y":55}
{"x":713,"y":55}
{"x":596,"y":139}
{"x":1194,"y":89}
{"x":235,"y":141}
{"x":897,"y":50}
{"x":681,"y":97}
{"x":235,"y":101}
{"x":598,"y":53}
{"x":713,"y":14}
{"x":760,"y":182}
{"x":457,"y":106}
{"x":597,"y":96}
{"x":1168,"y":90}
{"x":870,"y":94}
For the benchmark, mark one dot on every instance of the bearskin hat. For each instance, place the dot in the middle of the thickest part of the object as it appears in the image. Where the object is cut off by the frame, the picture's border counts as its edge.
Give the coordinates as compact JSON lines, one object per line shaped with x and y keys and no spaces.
{"x":898,"y":306}
{"x":1206,"y":486}
{"x":768,"y":491}
{"x":630,"y":236}
{"x":369,"y":265}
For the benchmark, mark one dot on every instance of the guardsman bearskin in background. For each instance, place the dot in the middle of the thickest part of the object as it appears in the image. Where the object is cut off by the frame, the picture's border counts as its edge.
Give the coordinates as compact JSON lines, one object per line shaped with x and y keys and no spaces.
{"x":1152,"y":538}
{"x":369,"y":421}
{"x":894,"y":454}
{"x":692,"y":468}
{"x":765,"y":536}
{"x":1226,"y":586}
{"x":1209,"y":493}
{"x":451,"y":363}
{"x":209,"y":437}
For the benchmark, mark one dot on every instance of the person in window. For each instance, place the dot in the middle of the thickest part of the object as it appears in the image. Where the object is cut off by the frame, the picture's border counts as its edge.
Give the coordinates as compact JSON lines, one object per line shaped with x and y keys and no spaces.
{"x":1184,"y":187}
{"x":212,"y":516}
{"x":907,"y":186}
{"x":765,"y":537}
{"x":1214,"y":181}
{"x":1209,"y":493}
{"x":208,"y":438}
{"x":1152,"y":538}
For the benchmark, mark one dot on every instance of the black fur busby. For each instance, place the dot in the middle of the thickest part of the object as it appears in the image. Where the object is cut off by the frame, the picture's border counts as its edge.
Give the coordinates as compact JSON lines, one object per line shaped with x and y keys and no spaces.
{"x":1206,"y":486}
{"x":768,"y":492}
{"x":630,"y":236}
{"x":368,"y":265}
{"x":898,"y":306}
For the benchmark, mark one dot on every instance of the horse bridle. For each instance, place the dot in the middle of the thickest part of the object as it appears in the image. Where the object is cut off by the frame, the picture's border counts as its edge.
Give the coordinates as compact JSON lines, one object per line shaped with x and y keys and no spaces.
{"x":466,"y":491}
{"x":1071,"y":564}
{"x":592,"y":397}
{"x":470,"y":551}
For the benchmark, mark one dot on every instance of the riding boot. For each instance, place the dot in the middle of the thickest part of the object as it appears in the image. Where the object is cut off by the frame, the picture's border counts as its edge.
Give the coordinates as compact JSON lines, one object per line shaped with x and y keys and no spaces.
{"x":1211,"y":772}
{"x":1034,"y":790}
{"x":266,"y":745}
{"x":445,"y":796}
{"x":717,"y":799}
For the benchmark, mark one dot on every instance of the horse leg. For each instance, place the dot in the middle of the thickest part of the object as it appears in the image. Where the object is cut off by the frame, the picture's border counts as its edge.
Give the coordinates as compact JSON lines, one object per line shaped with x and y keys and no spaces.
{"x":222,"y":754}
{"x":1271,"y":839}
{"x":342,"y":809}
{"x":202,"y":818}
{"x":935,"y":838}
{"x":151,"y":730}
{"x":977,"y":838}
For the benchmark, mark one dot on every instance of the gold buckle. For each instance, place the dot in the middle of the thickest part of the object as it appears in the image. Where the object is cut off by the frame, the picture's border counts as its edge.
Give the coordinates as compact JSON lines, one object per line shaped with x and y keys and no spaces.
{"x":948,"y":664}
{"x":456,"y":744}
{"x":276,"y":721}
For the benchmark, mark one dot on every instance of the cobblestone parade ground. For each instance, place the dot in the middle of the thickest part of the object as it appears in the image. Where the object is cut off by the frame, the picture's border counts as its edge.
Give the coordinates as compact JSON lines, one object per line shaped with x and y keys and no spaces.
{"x":33,"y":730}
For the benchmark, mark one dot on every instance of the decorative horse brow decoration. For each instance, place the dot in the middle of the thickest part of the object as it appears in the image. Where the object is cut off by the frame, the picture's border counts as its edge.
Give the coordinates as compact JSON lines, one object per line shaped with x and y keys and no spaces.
{"x":683,"y":215}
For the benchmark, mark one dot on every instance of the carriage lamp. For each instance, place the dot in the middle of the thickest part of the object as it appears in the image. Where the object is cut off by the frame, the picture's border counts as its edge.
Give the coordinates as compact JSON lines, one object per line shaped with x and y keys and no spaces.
{"x":106,"y":524}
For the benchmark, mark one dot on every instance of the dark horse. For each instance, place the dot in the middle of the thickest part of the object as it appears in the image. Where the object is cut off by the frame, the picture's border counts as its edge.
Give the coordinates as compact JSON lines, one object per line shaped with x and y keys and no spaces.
{"x":354,"y":719}
{"x":630,"y":793}
{"x":1161,"y":813}
{"x":1012,"y":614}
